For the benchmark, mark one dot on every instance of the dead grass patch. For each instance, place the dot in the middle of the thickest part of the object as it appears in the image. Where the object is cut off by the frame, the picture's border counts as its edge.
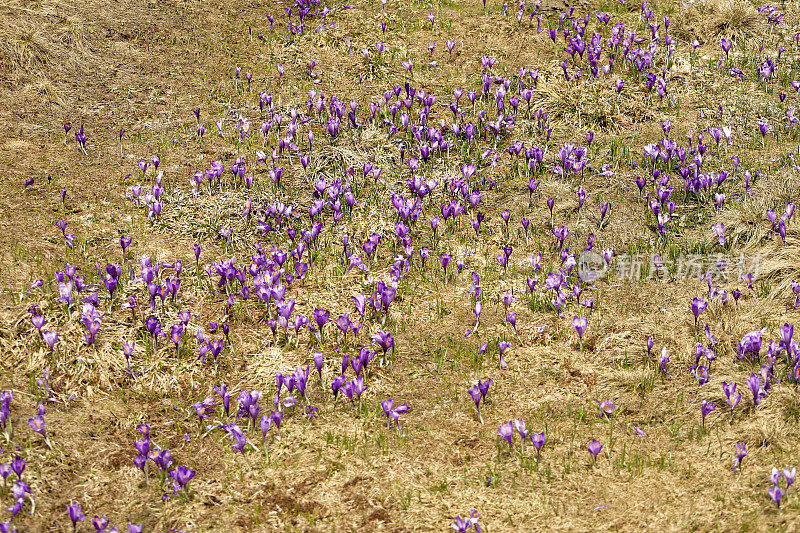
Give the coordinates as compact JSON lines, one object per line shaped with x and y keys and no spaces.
{"x":708,"y":19}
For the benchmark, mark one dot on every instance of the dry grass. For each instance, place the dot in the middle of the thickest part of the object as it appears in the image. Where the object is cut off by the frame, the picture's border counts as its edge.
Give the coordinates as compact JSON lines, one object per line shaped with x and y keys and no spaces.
{"x":345,"y":469}
{"x":592,"y":106}
{"x":708,"y":20}
{"x":38,"y":39}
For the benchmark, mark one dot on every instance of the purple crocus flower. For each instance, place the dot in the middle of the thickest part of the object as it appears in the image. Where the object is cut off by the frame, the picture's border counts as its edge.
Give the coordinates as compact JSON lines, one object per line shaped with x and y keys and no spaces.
{"x":476,"y":394}
{"x":538,"y":440}
{"x":786,"y":331}
{"x":50,"y":338}
{"x":204,"y":409}
{"x":705,"y":408}
{"x":789,"y":474}
{"x":235,"y":434}
{"x":776,"y":494}
{"x":265,"y":424}
{"x":519,"y":425}
{"x":37,"y":423}
{"x":182,"y":475}
{"x":142,"y":446}
{"x":461,"y":525}
{"x":605,"y":408}
{"x":385,"y":341}
{"x":100,"y":523}
{"x":750,"y":345}
{"x":358,"y":387}
{"x":775,"y":476}
{"x":506,"y":432}
{"x":701,"y":372}
{"x":336,"y":385}
{"x":755,"y":384}
{"x":162,"y":458}
{"x":698,"y":305}
{"x":740,"y":452}
{"x":393,"y":413}
{"x":222,"y":391}
{"x":502,"y":346}
{"x":726,"y":46}
{"x":124,"y":242}
{"x":594,"y":448}
{"x":321,"y":316}
{"x":319,"y":361}
{"x":763,"y":127}
{"x":344,"y":324}
{"x":360,"y":302}
{"x":277,"y":419}
{"x":445,"y":259}
{"x":733,"y":397}
{"x":75,"y":514}
{"x":483,"y":386}
{"x":38,"y":321}
{"x":511,"y":318}
{"x":719,"y":231}
{"x":580,"y":324}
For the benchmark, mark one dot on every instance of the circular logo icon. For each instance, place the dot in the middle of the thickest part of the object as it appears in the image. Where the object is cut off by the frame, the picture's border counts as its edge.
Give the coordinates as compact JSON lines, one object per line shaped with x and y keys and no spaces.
{"x":591,"y":266}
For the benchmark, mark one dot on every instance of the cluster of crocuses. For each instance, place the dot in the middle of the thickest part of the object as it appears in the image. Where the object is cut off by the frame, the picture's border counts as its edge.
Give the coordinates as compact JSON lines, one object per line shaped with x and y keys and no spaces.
{"x":208,"y":345}
{"x":403,"y":207}
{"x":748,"y":348}
{"x":152,"y":325}
{"x":462,"y":525}
{"x":305,"y":11}
{"x":667,"y":157}
{"x":559,"y":280}
{"x":779,"y":225}
{"x":248,"y":401}
{"x":80,"y":136}
{"x":271,"y":282}
{"x":433,"y":136}
{"x":37,"y":424}
{"x":506,"y":433}
{"x":393,"y":412}
{"x":785,"y":351}
{"x":69,"y":238}
{"x":704,"y":354}
{"x":67,"y":280}
{"x":478,"y":393}
{"x":151,"y":276}
{"x":91,"y":318}
{"x":20,"y":490}
{"x":148,"y":450}
{"x":5,"y":413}
{"x":776,"y":492}
{"x":101,"y":523}
{"x":213,"y":174}
{"x":248,"y":409}
{"x":152,"y":199}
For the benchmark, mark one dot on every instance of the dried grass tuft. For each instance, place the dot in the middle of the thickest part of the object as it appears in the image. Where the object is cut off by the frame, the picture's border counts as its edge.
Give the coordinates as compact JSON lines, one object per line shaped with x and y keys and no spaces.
{"x":35,"y":39}
{"x":764,"y":429}
{"x":708,"y":19}
{"x":777,"y":260}
{"x":589,"y":104}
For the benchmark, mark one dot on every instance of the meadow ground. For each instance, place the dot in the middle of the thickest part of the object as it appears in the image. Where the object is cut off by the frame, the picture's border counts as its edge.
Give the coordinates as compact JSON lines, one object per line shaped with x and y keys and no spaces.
{"x":330,"y":206}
